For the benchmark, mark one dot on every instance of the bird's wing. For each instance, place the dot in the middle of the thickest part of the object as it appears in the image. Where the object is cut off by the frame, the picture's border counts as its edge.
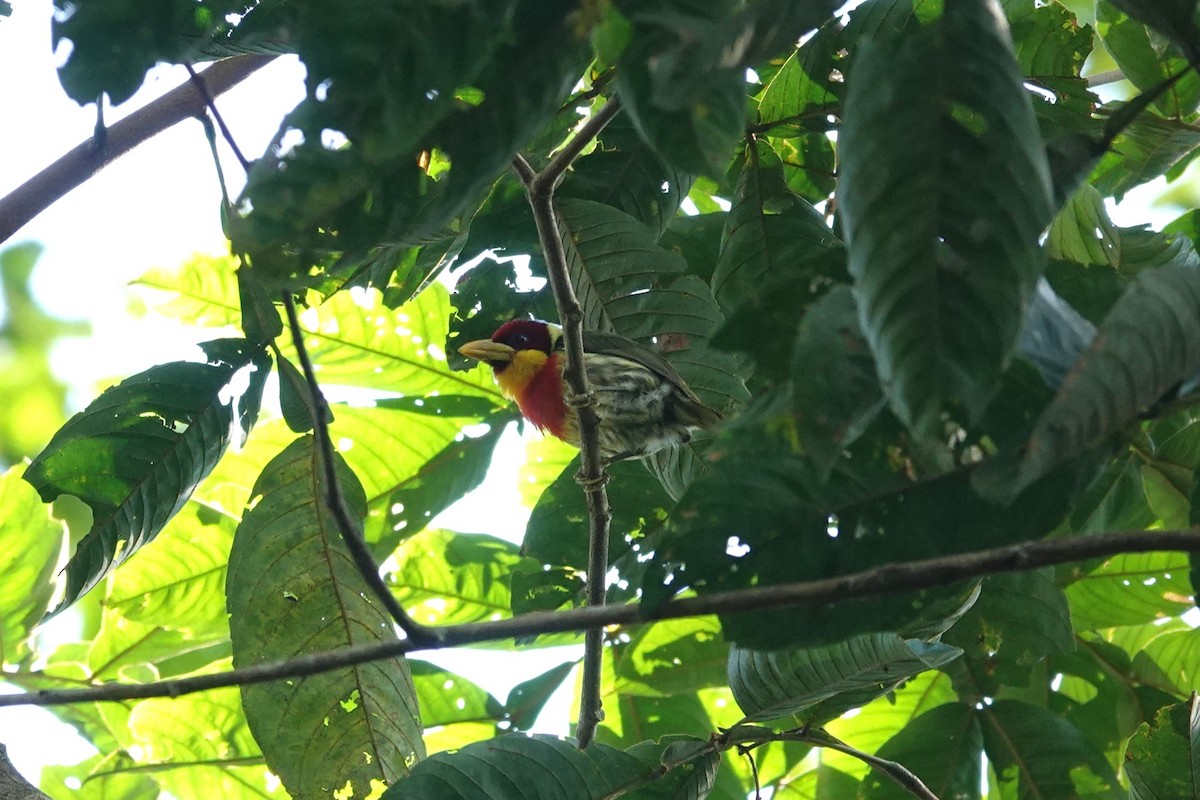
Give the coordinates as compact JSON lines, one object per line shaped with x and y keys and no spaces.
{"x":612,"y":344}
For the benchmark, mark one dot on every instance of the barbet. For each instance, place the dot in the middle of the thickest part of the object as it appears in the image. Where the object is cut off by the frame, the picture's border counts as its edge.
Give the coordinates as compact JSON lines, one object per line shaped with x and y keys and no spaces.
{"x":641,"y":401}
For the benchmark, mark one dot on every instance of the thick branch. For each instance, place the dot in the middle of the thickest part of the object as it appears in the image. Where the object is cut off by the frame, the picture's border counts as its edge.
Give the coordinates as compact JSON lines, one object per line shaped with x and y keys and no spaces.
{"x":884,"y":580}
{"x":12,"y":785}
{"x":86,"y":159}
{"x":540,"y":188}
{"x":418,"y":635}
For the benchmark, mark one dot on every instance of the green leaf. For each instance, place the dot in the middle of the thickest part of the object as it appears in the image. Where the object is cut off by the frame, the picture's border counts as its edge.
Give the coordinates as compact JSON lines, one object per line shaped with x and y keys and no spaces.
{"x":672,"y":657}
{"x":1171,"y":661}
{"x":293,"y":588}
{"x":839,"y":394}
{"x":771,"y":685}
{"x":1146,"y":61}
{"x":527,"y":699}
{"x":1163,"y":759}
{"x":1037,"y":754}
{"x":203,"y":290}
{"x":771,"y":236}
{"x":294,"y":399}
{"x":942,"y":747}
{"x":1082,"y":231}
{"x":92,"y":779}
{"x":191,"y":760}
{"x":31,"y":545}
{"x":1128,"y":589}
{"x":178,"y":580}
{"x":1148,"y":147}
{"x":1176,"y":19}
{"x":447,"y":578}
{"x":1148,"y":342}
{"x":259,"y":317}
{"x":445,"y":477}
{"x":556,"y":534}
{"x":624,"y":173}
{"x":1018,"y":621}
{"x":940,"y":278}
{"x":446,"y":699}
{"x":135,"y":454}
{"x":518,"y":767}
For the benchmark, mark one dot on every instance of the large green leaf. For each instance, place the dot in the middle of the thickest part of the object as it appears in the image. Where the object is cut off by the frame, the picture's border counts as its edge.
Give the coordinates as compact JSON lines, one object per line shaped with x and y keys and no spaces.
{"x":671,"y":657}
{"x":31,"y":545}
{"x":1144,"y":59}
{"x":1037,"y":754}
{"x":938,"y":135}
{"x":1163,"y":759}
{"x":178,"y":580}
{"x":942,"y":747}
{"x":1147,"y":343}
{"x":217,"y":757}
{"x":519,"y":767}
{"x":1017,"y":622}
{"x":446,"y":578}
{"x":776,"y":684}
{"x":1148,"y":147}
{"x":1177,"y":19}
{"x":135,"y":454}
{"x":293,"y":588}
{"x":1128,"y":589}
{"x":771,"y":236}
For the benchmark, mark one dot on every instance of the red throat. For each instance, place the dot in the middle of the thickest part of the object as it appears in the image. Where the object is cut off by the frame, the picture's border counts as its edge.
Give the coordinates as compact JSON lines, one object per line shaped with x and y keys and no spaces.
{"x":541,"y":400}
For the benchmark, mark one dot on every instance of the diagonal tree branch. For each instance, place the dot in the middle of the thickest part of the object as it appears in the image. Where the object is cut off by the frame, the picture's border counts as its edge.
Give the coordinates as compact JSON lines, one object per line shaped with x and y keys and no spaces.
{"x":419,"y":635}
{"x":887,"y":579}
{"x":540,"y":186}
{"x":86,"y":159}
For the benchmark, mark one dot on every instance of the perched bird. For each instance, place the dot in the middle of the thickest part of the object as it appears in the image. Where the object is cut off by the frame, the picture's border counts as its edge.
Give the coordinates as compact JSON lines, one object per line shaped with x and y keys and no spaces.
{"x":641,"y":401}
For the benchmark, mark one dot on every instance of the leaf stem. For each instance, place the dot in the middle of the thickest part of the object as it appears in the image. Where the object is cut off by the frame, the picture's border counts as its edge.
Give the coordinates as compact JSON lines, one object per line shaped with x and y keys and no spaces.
{"x":418,"y":635}
{"x":539,"y":187}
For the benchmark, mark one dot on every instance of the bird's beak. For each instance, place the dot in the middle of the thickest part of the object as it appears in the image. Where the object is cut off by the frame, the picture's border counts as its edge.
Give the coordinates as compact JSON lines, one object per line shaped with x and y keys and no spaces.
{"x":486,"y":350}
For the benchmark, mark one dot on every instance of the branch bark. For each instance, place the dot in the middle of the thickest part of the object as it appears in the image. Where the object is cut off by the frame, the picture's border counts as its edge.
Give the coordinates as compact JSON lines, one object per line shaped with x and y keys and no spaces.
{"x":418,"y":635}
{"x":540,"y":186}
{"x":86,"y":159}
{"x":884,"y":580}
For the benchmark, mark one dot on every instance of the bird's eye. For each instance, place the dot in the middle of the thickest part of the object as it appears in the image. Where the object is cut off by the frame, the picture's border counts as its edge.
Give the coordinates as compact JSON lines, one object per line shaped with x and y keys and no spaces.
{"x":520,"y":340}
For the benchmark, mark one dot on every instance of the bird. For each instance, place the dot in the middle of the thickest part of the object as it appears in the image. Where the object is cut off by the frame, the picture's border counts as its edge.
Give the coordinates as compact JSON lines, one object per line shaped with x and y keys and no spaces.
{"x":641,"y":401}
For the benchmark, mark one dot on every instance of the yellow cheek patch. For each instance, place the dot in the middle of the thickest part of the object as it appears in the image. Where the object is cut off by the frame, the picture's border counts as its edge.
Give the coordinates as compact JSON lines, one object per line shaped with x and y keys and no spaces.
{"x":520,"y":371}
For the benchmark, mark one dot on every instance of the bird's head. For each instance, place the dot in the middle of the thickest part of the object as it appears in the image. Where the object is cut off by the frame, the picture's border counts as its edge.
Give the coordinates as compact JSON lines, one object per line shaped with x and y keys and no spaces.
{"x":517,"y":351}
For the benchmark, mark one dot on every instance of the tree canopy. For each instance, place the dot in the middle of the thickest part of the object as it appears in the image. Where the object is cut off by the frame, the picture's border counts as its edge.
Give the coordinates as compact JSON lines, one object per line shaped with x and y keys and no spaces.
{"x":941,"y":547}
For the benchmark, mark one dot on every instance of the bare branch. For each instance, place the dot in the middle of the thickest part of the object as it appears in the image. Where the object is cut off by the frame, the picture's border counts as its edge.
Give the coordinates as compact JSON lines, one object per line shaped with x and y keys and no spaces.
{"x":418,"y":635}
{"x":884,"y":580}
{"x":12,"y":785}
{"x":899,"y":773}
{"x":85,"y":160}
{"x":540,"y":188}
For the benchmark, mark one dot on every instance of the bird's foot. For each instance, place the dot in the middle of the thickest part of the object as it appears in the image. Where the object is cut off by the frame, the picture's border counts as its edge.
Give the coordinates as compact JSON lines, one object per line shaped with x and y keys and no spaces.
{"x":592,"y":484}
{"x":588,"y":398}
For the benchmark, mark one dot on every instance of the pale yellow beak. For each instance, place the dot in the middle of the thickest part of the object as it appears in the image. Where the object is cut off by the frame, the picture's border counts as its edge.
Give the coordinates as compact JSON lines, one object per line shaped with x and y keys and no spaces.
{"x":487,"y":350}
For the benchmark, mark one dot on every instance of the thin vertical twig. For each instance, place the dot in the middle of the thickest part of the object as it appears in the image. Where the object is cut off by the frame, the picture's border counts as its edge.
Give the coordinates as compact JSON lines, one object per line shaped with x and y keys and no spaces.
{"x":348,"y":526}
{"x":202,"y":88}
{"x":540,"y":187}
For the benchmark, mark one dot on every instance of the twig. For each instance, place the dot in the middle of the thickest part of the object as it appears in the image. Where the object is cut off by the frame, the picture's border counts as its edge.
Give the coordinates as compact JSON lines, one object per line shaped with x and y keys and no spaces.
{"x":899,"y":773}
{"x":202,"y":87}
{"x":183,"y":102}
{"x":888,"y":579}
{"x":540,"y":186}
{"x":419,"y":635}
